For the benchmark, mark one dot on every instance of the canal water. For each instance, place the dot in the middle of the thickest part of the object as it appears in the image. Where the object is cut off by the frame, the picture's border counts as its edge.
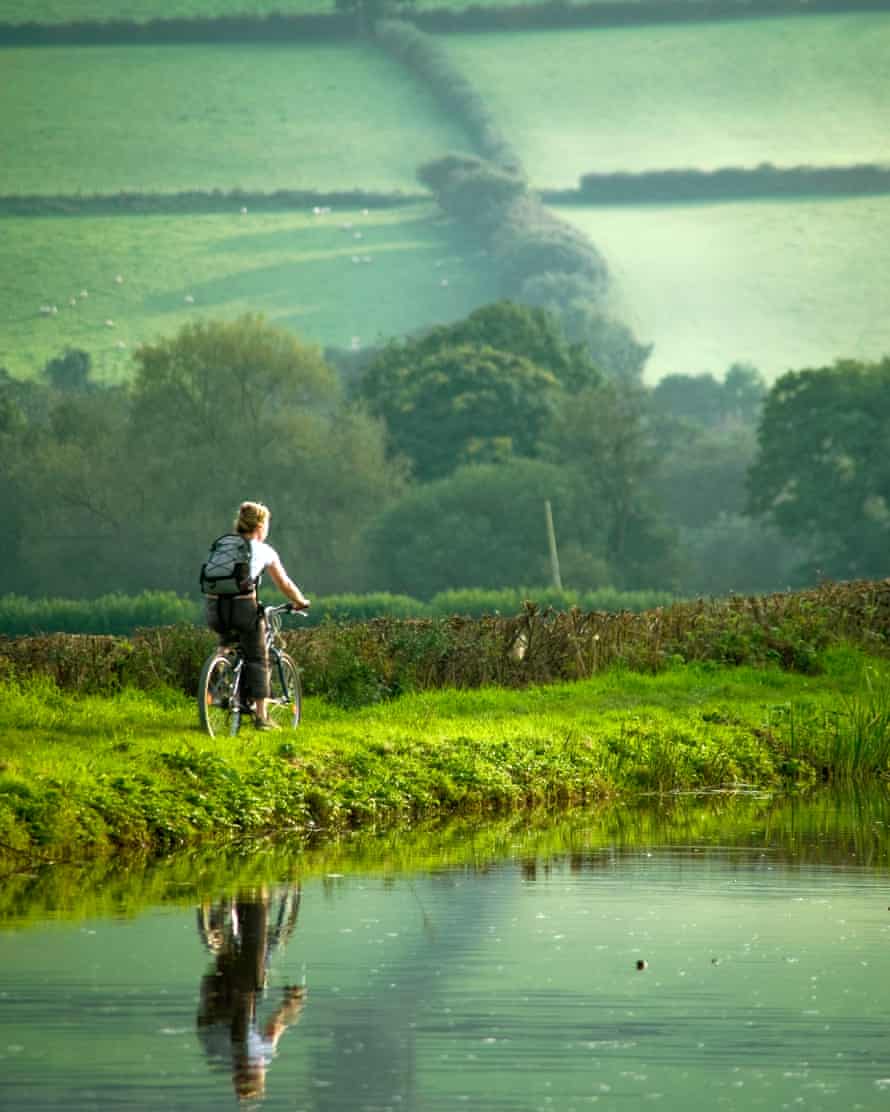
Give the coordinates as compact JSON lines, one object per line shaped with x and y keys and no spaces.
{"x":698,"y":954}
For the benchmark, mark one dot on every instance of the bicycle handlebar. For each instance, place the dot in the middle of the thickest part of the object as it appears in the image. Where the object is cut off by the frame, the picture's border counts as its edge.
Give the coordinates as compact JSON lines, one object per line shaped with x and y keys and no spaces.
{"x":286,"y":608}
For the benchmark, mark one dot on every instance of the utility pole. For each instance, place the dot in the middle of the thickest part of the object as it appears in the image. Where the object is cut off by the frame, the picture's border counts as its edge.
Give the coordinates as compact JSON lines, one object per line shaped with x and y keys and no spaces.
{"x":551,"y":541}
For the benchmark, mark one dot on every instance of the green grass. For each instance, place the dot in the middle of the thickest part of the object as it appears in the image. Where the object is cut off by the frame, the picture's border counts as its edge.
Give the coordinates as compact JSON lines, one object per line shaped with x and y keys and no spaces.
{"x":702,"y":95}
{"x":780,"y":284}
{"x":295,"y":268}
{"x":252,"y":116}
{"x":90,"y":773}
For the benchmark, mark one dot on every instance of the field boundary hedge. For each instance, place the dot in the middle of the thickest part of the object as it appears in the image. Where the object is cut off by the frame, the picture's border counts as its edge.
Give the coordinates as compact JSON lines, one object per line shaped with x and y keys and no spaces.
{"x":313,"y":26}
{"x":368,"y":662}
{"x":730,"y":183}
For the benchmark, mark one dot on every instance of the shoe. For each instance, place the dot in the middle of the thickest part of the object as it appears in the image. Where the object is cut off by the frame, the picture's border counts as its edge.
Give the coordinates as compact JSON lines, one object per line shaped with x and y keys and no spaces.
{"x":266,"y":724}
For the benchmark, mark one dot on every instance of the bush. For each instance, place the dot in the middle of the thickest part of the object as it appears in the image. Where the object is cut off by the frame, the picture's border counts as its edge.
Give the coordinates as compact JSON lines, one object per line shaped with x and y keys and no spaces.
{"x":114,"y":613}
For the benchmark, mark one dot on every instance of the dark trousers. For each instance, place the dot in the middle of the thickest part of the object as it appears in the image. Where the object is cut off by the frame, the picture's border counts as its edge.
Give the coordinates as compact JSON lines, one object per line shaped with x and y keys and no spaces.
{"x":239,"y":619}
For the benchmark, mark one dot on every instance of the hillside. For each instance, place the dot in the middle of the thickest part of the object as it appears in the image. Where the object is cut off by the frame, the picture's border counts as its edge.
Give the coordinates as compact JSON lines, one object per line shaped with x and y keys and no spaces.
{"x":780,"y":284}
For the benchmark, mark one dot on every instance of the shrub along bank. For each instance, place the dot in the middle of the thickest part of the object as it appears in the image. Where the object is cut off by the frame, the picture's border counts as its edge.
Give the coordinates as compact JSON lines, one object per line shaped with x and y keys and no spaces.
{"x":352,"y":664}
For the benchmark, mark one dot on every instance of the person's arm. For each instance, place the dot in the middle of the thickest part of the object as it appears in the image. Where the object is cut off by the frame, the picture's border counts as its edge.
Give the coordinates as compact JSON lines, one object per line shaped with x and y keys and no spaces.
{"x":286,"y":585}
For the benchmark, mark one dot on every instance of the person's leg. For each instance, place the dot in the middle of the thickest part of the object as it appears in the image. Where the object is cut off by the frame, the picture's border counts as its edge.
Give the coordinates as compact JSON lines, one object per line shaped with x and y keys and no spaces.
{"x":251,"y":627}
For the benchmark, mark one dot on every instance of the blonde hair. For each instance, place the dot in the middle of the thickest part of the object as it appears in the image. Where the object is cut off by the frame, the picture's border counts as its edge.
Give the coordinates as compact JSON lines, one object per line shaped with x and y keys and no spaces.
{"x":251,"y":515}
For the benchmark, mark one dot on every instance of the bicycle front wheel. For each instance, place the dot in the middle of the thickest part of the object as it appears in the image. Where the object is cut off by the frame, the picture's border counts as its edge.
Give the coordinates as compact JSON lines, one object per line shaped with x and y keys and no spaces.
{"x":218,"y":707}
{"x":285,"y":706}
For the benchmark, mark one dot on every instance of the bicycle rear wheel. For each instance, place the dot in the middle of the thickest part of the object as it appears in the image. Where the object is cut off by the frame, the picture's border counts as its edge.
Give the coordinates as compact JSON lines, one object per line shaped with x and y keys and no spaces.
{"x":285,"y":705}
{"x":218,"y":706}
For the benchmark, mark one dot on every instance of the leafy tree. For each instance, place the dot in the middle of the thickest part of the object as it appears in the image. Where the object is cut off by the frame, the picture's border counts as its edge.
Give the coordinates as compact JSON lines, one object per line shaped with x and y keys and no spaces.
{"x":601,"y":435}
{"x":703,"y":472}
{"x":225,"y":411}
{"x":463,"y":404}
{"x":822,"y":474}
{"x":577,"y":304}
{"x":484,"y":526}
{"x":132,"y":485}
{"x":70,"y":371}
{"x":735,"y":554}
{"x":706,"y":401}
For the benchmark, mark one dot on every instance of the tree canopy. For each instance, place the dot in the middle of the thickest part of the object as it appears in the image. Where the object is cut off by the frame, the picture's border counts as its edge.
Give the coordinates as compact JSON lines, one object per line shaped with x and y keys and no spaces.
{"x":823,"y":472}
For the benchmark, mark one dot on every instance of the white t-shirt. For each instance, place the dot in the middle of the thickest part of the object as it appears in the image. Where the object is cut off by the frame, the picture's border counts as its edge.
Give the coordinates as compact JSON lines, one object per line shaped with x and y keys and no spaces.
{"x":261,"y":556}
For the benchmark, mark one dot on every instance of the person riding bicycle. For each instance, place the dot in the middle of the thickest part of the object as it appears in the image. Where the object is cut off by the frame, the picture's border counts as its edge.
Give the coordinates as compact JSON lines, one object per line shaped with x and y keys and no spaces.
{"x":241,"y":614}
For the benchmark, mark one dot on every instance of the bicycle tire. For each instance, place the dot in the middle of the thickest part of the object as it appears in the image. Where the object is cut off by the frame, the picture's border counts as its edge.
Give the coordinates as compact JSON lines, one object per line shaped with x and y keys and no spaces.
{"x":218,"y":707}
{"x":285,"y":705}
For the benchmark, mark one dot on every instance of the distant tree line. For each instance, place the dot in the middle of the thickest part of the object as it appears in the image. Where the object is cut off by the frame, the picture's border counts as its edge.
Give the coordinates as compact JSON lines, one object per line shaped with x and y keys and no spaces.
{"x":429,"y":468}
{"x":351,"y":17}
{"x":728,"y":183}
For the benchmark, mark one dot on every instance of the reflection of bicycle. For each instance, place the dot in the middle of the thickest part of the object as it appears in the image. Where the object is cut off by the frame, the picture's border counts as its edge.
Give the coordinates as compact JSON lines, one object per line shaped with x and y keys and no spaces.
{"x":221,"y":697}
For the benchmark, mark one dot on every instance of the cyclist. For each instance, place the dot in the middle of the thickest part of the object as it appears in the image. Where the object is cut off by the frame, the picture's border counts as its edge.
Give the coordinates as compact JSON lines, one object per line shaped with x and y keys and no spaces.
{"x":243,"y":616}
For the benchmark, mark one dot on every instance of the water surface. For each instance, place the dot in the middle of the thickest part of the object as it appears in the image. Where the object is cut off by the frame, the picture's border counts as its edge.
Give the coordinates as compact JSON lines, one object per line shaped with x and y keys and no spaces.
{"x":489,"y":968}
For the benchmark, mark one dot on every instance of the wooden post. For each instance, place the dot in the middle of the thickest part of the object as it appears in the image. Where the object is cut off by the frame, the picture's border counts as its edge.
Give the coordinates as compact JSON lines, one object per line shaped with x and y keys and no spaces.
{"x":551,"y":541}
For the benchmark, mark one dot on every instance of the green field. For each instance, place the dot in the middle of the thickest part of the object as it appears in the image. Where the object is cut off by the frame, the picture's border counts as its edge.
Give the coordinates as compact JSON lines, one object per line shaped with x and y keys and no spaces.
{"x":296,"y":268}
{"x":255,"y":117}
{"x":780,"y":284}
{"x":787,"y":91}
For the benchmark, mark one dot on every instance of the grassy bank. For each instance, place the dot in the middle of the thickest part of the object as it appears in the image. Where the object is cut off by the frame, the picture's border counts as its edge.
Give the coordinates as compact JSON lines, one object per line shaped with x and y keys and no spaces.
{"x":86,"y":775}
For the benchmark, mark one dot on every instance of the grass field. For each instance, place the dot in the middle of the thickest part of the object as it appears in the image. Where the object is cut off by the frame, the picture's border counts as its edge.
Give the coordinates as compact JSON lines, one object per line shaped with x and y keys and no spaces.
{"x":783,"y":285}
{"x":786,"y":91}
{"x":296,"y":268}
{"x":255,"y":117}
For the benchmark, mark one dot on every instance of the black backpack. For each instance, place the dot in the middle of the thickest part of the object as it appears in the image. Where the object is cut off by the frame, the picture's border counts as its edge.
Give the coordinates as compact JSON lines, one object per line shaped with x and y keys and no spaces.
{"x":226,"y":571}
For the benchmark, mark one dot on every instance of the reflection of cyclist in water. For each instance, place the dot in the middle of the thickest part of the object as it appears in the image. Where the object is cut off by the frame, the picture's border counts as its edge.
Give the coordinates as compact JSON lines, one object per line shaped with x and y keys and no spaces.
{"x":242,"y":934}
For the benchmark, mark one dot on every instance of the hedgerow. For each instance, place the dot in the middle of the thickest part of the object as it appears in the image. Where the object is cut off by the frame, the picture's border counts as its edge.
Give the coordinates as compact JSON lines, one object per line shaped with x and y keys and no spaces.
{"x":365,"y":662}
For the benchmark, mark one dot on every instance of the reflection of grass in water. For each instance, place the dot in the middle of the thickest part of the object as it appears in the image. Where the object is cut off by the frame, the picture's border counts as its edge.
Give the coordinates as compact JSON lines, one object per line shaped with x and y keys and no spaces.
{"x":294,"y":268}
{"x":823,"y":828}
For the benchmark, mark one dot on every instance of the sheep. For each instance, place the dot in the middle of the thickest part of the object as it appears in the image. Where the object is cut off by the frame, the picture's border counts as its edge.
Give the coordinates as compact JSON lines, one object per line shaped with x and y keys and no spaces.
{"x":109,"y":324}
{"x":118,"y":279}
{"x":188,"y":299}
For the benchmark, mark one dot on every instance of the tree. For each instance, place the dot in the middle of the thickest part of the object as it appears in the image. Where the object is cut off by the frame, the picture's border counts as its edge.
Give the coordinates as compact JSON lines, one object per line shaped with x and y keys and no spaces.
{"x":484,"y":526}
{"x":460,"y":404}
{"x":70,"y":371}
{"x":133,"y":485}
{"x":703,"y":472}
{"x":706,"y":401}
{"x":822,"y":473}
{"x":601,"y":435}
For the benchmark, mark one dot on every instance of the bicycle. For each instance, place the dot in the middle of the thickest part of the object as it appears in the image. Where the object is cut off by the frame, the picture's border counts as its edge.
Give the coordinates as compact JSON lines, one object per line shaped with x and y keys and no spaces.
{"x":221,"y":702}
